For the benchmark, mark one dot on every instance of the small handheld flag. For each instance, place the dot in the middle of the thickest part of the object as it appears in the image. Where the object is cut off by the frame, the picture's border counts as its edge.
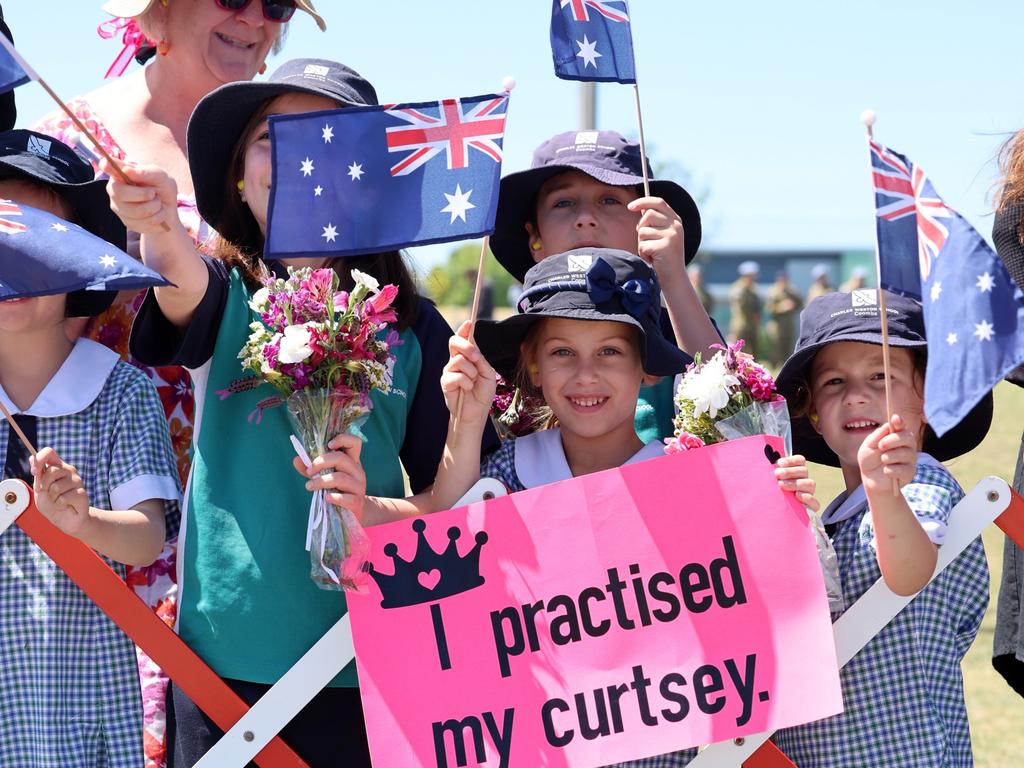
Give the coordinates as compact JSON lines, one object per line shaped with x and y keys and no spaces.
{"x":973,"y":311}
{"x":592,"y":40}
{"x":41,"y":254}
{"x":14,"y":71}
{"x":371,"y":179}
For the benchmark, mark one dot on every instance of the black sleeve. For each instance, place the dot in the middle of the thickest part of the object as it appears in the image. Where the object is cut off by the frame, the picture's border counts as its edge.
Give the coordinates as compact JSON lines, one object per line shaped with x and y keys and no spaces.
{"x":427,"y":425}
{"x":155,"y":341}
{"x":1006,"y":236}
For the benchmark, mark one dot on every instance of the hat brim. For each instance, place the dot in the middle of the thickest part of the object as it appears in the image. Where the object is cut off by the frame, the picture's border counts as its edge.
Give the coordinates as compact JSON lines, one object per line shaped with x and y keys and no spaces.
{"x":499,"y":340}
{"x":215,"y":128}
{"x":964,"y":437}
{"x":88,"y":199}
{"x":517,"y":198}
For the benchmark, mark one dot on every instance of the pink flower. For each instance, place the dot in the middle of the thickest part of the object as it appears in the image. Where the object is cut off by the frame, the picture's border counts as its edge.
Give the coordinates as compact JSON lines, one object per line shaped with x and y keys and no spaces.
{"x":684,"y":441}
{"x":320,"y":283}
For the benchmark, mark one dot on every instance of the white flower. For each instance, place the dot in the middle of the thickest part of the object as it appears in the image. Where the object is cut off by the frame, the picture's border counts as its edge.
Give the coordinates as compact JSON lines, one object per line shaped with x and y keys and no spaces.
{"x":361,"y":278}
{"x":710,"y":388}
{"x":259,"y":300}
{"x":295,"y":344}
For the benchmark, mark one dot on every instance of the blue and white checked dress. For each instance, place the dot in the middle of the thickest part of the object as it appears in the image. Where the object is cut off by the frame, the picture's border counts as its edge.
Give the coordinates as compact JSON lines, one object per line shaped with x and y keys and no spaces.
{"x":903,"y":693}
{"x":537,"y":459}
{"x":68,"y":676}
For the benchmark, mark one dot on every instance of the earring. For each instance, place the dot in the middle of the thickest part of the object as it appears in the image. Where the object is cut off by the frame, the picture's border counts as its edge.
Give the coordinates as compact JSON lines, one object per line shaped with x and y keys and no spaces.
{"x":813,"y":418}
{"x":533,"y":368}
{"x":536,"y":245}
{"x":163,"y":47}
{"x":263,"y":68}
{"x":241,"y":185}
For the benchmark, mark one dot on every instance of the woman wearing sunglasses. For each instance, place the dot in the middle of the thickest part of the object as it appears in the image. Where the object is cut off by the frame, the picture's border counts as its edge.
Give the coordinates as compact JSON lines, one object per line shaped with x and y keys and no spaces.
{"x":192,"y":47}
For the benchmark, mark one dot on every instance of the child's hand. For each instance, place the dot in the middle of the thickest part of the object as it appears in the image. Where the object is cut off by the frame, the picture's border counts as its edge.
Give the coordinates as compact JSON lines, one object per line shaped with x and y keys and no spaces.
{"x":344,"y":479}
{"x":469,"y":372}
{"x":791,"y":472}
{"x":660,"y":238}
{"x":60,"y":493}
{"x":149,"y":204}
{"x":888,"y":452}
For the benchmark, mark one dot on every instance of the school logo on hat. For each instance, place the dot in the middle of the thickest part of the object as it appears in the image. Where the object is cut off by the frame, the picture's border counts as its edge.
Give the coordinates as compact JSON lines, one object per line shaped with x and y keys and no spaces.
{"x":864,"y":297}
{"x":39,"y":146}
{"x":579,"y":262}
{"x":316,"y":70}
{"x":586,"y":140}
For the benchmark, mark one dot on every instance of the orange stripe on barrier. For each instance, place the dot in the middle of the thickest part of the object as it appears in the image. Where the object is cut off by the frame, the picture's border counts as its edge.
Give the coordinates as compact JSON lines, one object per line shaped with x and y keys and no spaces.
{"x":148,"y":631}
{"x":768,"y":756}
{"x":1012,"y":520}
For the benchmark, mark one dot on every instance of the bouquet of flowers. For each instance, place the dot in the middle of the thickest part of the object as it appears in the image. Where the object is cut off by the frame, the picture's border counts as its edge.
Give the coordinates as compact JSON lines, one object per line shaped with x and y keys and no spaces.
{"x":728,"y":397}
{"x":323,"y":350}
{"x":514,"y":412}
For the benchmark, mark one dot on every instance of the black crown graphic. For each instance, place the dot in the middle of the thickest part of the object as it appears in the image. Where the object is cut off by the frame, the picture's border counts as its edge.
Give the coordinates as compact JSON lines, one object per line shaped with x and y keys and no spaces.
{"x":429,"y":575}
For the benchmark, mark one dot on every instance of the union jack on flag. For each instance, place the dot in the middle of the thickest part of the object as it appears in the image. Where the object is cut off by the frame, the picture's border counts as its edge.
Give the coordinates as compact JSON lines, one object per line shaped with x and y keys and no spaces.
{"x":454,"y":130}
{"x":581,"y":10}
{"x":900,"y":191}
{"x":973,"y":311}
{"x":9,"y":226}
{"x":371,"y":179}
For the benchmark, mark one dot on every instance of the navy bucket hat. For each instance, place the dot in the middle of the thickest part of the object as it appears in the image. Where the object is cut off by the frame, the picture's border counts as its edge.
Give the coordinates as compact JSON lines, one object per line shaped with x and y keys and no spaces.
{"x":603,"y":155}
{"x":585,"y":284}
{"x":220,"y":117}
{"x":855,"y":316}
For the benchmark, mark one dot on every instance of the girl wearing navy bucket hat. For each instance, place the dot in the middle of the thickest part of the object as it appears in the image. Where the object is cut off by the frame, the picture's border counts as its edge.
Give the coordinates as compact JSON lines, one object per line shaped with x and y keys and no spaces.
{"x":585,"y":189}
{"x":246,"y":603}
{"x":903,"y":693}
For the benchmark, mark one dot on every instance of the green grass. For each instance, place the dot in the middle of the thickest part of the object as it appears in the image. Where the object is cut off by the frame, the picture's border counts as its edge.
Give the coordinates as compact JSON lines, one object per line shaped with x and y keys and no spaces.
{"x":995,"y":711}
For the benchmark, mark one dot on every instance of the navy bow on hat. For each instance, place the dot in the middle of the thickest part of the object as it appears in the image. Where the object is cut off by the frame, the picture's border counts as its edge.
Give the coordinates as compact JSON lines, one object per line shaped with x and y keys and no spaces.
{"x":635,"y":295}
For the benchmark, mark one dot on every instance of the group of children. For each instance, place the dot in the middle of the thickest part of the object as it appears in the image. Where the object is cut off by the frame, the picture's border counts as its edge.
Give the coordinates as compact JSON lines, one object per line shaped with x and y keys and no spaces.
{"x":599,"y":261}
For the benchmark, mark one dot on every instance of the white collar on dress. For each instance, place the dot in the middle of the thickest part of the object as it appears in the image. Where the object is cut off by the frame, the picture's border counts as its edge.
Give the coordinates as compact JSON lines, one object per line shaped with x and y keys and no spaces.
{"x":75,"y":386}
{"x":846,"y":506}
{"x":540,"y":458}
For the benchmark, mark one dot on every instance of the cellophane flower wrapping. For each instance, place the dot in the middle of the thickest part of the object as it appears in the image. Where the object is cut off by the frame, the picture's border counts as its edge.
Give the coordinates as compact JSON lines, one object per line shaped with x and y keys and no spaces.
{"x":325,"y":350}
{"x":729,"y":397}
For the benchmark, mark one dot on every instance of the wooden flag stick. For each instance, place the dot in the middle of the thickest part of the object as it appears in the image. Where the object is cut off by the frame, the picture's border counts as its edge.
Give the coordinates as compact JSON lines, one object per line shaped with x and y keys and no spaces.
{"x":475,"y":309}
{"x":643,"y":144}
{"x":14,"y":425}
{"x":868,"y":118}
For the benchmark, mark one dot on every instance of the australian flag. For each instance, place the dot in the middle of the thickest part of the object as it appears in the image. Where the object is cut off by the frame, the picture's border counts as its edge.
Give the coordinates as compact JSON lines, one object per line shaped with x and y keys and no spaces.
{"x":41,"y":254}
{"x":14,"y":71}
{"x":592,"y":40}
{"x":370,"y":179}
{"x":973,"y":311}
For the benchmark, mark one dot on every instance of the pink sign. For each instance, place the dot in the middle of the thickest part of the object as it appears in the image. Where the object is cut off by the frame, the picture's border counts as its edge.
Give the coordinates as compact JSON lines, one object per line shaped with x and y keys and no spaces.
{"x":629,"y":613}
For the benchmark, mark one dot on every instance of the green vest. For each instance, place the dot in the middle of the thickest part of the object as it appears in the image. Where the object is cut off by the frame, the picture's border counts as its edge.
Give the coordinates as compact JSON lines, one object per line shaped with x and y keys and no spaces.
{"x":247,"y":605}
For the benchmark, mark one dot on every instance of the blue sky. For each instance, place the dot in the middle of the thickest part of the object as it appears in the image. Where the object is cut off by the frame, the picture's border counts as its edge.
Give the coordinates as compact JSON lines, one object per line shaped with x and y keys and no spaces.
{"x":760,"y":101}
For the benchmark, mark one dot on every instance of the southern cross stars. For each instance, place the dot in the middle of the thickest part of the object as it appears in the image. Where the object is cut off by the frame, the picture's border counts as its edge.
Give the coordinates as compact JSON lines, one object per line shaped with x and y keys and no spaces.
{"x":330,"y":233}
{"x":458,"y":204}
{"x":588,"y":52}
{"x":936,"y":290}
{"x":328,"y":134}
{"x":355,"y":171}
{"x":307,"y":167}
{"x":317,"y":191}
{"x":59,"y":227}
{"x":951,"y":339}
{"x":985,"y":283}
{"x":108,"y":261}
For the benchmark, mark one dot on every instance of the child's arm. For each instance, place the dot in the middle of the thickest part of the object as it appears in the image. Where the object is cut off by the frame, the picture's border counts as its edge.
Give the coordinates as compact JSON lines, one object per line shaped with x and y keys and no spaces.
{"x":906,"y":556}
{"x":131,"y":536}
{"x":467,"y":370}
{"x":791,"y":472}
{"x":660,"y":239}
{"x":149,"y":206}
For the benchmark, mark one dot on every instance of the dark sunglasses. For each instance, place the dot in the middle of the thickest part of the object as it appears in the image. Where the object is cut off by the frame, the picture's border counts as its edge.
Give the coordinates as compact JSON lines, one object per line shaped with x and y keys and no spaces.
{"x":273,"y":10}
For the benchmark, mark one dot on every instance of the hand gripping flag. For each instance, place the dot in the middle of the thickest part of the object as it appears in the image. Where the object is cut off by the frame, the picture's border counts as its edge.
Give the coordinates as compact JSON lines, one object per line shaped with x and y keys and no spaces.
{"x":41,"y":254}
{"x":371,"y":179}
{"x":592,"y":40}
{"x":14,"y":70}
{"x":973,"y":311}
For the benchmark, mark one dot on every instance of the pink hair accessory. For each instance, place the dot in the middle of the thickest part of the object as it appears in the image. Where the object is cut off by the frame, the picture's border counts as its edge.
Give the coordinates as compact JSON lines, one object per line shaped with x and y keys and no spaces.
{"x":132,"y":38}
